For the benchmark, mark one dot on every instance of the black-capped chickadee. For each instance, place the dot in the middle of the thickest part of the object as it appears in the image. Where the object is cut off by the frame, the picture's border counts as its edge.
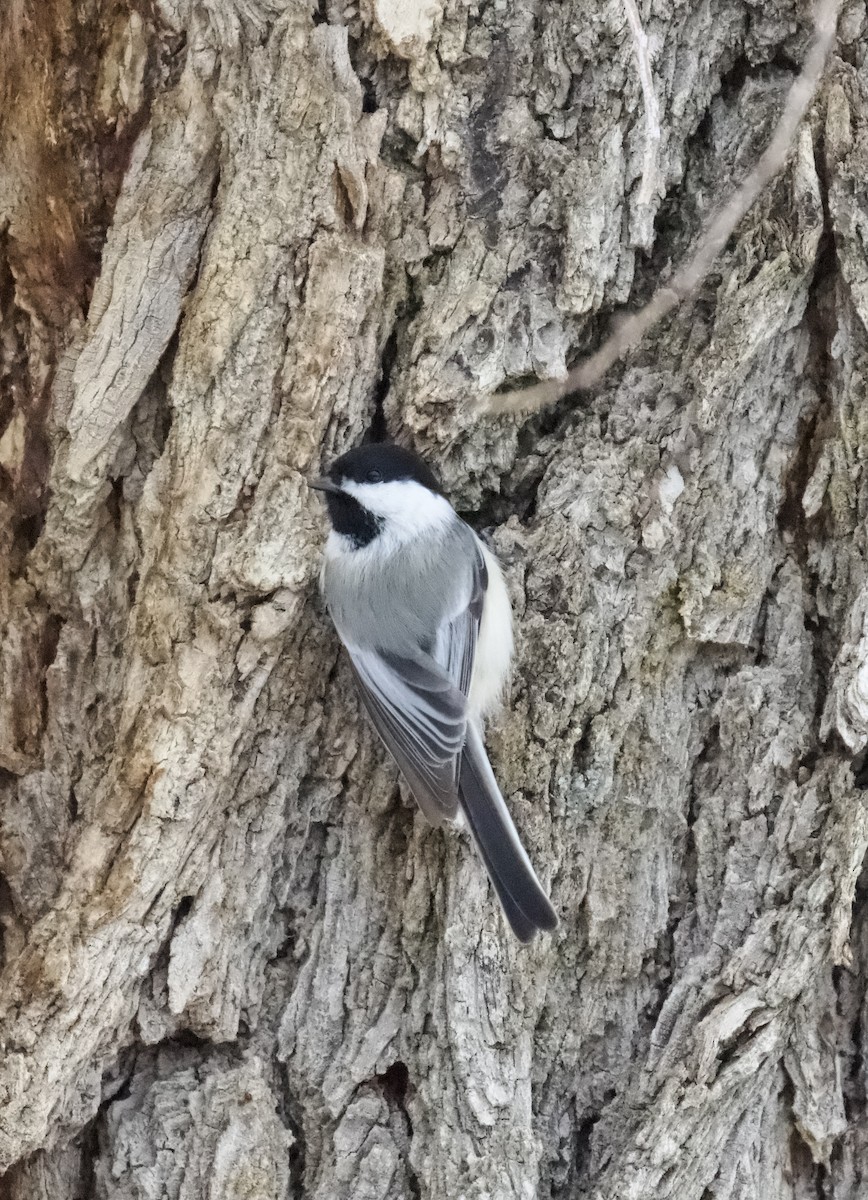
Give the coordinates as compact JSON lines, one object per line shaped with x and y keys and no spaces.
{"x":421,"y":606}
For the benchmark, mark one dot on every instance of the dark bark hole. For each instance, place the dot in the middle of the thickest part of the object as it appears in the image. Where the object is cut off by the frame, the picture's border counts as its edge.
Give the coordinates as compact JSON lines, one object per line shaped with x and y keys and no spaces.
{"x":784,"y":62}
{"x":395,"y":1081}
{"x":189,"y":1040}
{"x":181,"y":911}
{"x":50,"y":638}
{"x":583,"y":1139}
{"x":124,"y":1091}
{"x":48,"y":652}
{"x":114,"y":501}
{"x":27,"y":530}
{"x":860,"y":771}
{"x":7,"y":908}
{"x":378,"y":431}
{"x":369,"y":97}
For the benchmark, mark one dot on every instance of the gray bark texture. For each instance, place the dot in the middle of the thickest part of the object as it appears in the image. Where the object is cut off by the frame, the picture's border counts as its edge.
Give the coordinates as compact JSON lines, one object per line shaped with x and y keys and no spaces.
{"x":236,"y":963}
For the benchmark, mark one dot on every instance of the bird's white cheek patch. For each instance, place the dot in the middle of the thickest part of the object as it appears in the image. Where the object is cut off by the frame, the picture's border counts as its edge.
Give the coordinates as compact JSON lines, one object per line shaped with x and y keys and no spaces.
{"x":408,"y":509}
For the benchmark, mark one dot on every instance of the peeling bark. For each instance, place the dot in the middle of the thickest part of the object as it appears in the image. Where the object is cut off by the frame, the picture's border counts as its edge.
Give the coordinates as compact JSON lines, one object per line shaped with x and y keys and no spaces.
{"x":235,"y":960}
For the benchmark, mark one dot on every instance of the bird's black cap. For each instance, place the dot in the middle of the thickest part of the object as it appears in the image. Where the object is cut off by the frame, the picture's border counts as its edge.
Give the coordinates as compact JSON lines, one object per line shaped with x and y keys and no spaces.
{"x":382,"y":462}
{"x":376,"y":462}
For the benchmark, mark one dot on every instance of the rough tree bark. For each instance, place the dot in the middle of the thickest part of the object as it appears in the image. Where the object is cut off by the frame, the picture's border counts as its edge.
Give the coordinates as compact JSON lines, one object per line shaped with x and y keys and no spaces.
{"x":236,"y":962}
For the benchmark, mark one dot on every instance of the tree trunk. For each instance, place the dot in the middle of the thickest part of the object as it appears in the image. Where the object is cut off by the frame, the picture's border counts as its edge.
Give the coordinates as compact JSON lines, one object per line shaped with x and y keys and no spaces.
{"x":236,"y":961}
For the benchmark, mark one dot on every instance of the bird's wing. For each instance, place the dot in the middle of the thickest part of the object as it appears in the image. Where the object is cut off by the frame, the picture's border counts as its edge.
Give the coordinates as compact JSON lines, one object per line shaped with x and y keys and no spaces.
{"x":418,"y":703}
{"x":455,"y":646}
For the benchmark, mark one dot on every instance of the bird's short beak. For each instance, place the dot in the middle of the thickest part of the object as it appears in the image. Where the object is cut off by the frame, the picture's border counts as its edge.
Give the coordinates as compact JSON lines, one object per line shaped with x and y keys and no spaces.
{"x":323,"y":484}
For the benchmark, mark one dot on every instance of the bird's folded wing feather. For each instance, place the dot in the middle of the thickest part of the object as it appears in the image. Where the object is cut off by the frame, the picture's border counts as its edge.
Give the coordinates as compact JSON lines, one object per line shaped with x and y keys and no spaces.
{"x":418,"y":703}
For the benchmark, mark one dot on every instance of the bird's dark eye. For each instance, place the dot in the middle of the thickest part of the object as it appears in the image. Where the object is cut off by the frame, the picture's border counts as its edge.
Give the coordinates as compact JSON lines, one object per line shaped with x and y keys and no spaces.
{"x":374,"y":476}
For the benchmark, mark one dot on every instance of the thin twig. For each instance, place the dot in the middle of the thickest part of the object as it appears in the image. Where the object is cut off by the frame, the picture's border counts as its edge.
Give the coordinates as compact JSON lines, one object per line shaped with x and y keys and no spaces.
{"x":688,"y":277}
{"x":652,"y":109}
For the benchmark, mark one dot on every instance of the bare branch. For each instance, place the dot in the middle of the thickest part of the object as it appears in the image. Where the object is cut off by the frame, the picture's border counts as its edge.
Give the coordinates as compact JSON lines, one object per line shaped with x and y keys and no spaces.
{"x":652,"y":109}
{"x":688,"y":277}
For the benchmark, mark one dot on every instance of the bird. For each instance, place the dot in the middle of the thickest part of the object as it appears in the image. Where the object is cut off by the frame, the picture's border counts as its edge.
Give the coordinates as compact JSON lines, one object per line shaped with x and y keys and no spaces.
{"x":421,"y":607}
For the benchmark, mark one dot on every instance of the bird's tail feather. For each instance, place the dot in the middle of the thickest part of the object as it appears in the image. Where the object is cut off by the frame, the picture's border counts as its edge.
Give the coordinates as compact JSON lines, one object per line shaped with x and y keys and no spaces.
{"x":524,"y":902}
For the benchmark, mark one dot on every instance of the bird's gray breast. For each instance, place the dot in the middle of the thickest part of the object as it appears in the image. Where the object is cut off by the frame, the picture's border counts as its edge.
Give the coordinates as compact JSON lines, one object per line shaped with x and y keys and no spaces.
{"x":399,"y":600}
